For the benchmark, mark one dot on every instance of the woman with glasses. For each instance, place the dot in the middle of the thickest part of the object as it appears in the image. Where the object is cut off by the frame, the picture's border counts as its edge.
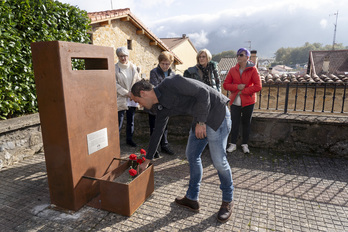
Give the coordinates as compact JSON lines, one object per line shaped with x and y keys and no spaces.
{"x":205,"y":70}
{"x":157,"y":75}
{"x":126,"y":75}
{"x":243,"y":81}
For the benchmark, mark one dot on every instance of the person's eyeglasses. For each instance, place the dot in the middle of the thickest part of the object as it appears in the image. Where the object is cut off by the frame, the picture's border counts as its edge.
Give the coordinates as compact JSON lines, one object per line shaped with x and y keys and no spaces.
{"x":241,"y":55}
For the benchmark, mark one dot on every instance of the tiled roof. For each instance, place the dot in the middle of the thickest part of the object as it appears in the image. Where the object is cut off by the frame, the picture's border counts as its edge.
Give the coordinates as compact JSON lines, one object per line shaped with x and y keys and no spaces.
{"x":102,"y":16}
{"x":291,"y":78}
{"x":109,"y":14}
{"x":338,"y":60}
{"x":225,"y":64}
{"x":174,"y":42}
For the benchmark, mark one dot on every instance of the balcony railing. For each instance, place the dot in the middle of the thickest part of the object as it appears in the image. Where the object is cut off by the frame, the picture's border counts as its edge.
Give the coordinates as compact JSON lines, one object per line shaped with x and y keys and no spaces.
{"x":303,"y":97}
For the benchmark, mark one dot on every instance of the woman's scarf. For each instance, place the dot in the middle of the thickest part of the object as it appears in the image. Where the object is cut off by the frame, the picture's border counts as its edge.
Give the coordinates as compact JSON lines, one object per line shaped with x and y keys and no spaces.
{"x":205,"y":72}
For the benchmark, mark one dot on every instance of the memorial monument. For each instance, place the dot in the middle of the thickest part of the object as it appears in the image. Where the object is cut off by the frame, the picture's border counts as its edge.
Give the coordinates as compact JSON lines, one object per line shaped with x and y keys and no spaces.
{"x":78,"y":114}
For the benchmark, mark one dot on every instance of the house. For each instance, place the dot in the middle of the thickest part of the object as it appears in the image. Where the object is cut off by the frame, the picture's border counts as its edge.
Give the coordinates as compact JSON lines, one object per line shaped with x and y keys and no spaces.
{"x":184,"y":49}
{"x":280,"y":69}
{"x":328,"y":62}
{"x":116,"y":28}
{"x":265,"y":62}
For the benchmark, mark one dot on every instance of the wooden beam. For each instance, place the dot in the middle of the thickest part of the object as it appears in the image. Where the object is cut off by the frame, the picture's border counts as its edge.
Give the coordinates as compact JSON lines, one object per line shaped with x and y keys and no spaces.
{"x":153,"y":43}
{"x":104,"y":23}
{"x":127,"y":18}
{"x":140,"y":32}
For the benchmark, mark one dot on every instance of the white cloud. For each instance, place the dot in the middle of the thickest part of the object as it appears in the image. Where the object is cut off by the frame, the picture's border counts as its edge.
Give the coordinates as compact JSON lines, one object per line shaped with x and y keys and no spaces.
{"x":226,"y":25}
{"x":323,"y":23}
{"x":199,"y":39}
{"x":151,"y":3}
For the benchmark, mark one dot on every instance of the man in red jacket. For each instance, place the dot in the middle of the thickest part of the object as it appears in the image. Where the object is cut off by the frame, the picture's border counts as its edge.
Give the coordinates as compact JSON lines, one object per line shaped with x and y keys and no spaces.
{"x":244,"y":82}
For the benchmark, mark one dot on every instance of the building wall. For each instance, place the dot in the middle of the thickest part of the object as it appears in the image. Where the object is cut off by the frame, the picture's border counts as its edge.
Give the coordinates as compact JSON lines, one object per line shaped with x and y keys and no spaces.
{"x":116,"y":35}
{"x":188,"y":56}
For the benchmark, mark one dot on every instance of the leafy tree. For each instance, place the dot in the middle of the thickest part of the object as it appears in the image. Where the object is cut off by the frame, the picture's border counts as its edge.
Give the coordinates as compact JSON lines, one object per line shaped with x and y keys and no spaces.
{"x":218,"y":56}
{"x":299,"y":55}
{"x":21,"y":23}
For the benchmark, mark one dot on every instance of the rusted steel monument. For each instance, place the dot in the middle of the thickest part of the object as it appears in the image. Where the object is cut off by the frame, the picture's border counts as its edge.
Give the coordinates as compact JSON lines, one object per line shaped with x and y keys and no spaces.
{"x":78,"y":114}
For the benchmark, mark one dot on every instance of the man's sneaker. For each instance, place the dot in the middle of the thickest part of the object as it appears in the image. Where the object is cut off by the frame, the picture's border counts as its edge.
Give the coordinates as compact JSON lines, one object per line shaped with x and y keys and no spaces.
{"x":187,"y":203}
{"x":231,"y":148}
{"x":245,"y":148}
{"x":167,"y":150}
{"x":225,"y":211}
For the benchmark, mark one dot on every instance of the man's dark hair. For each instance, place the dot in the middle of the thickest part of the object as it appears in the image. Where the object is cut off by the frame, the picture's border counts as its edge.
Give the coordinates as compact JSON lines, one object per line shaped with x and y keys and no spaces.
{"x":141,"y":85}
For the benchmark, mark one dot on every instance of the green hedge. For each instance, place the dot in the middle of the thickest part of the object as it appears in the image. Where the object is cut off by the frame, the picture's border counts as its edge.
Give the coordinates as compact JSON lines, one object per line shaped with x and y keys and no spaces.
{"x":21,"y":23}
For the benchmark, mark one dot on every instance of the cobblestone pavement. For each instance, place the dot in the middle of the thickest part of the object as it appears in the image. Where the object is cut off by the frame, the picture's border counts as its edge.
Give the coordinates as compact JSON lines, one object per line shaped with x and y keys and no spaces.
{"x":273,"y":192}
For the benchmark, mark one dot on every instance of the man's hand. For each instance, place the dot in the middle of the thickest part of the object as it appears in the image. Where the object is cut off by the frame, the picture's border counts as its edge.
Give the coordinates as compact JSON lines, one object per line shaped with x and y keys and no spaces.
{"x":201,"y":131}
{"x":143,"y":166}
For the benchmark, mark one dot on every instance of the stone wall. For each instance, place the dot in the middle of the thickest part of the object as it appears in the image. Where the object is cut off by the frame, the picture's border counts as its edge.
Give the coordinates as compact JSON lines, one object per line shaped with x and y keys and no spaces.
{"x":323,"y":135}
{"x":319,"y":135}
{"x":20,"y":138}
{"x":116,"y":35}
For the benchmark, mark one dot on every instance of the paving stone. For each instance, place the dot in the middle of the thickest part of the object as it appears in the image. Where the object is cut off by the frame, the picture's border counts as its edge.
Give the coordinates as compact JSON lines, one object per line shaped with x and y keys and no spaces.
{"x":272,"y":193}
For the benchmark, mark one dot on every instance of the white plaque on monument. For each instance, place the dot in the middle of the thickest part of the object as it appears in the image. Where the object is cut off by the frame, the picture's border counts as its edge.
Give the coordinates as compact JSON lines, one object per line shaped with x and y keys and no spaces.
{"x":97,"y":140}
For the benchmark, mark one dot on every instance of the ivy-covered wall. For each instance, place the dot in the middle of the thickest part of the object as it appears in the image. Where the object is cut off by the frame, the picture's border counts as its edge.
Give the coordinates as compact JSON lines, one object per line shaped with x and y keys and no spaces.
{"x":21,"y":23}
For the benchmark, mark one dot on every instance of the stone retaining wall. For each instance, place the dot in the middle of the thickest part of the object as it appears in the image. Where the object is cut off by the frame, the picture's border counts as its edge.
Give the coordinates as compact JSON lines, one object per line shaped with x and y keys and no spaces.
{"x":19,"y":138}
{"x":301,"y":134}
{"x":325,"y":135}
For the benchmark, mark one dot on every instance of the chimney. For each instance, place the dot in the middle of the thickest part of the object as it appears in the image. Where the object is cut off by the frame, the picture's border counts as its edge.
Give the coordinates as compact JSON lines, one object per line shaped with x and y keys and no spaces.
{"x":326,"y":64}
{"x":183,"y":36}
{"x":253,"y":57}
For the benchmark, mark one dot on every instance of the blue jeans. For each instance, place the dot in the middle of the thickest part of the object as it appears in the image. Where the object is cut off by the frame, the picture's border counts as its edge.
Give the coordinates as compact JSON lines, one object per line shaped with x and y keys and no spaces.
{"x":217,"y":146}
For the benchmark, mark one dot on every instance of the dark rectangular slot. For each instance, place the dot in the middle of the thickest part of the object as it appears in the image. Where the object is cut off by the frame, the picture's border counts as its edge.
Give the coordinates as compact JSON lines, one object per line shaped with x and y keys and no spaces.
{"x":89,"y":63}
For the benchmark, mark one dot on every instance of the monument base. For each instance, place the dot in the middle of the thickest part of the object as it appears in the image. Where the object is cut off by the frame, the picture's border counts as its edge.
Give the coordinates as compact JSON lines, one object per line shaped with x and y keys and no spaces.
{"x":123,"y":198}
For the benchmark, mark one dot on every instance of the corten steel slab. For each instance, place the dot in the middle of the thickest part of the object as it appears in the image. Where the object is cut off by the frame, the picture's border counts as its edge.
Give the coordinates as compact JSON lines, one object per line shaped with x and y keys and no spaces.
{"x":123,"y":198}
{"x":72,"y":105}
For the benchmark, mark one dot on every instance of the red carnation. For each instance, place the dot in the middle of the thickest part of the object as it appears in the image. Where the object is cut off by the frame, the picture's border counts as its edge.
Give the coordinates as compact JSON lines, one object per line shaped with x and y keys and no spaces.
{"x":142,"y":151}
{"x":133,"y":157}
{"x":132,"y":172}
{"x":143,"y":158}
{"x":139,"y":161}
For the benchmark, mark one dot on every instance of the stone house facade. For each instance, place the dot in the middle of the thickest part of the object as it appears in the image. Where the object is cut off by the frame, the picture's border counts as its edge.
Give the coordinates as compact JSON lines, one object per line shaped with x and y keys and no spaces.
{"x":120,"y":27}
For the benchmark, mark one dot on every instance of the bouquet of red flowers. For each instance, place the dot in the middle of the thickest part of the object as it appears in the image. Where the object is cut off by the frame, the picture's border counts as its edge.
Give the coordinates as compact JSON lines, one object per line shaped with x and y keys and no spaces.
{"x":135,"y":161}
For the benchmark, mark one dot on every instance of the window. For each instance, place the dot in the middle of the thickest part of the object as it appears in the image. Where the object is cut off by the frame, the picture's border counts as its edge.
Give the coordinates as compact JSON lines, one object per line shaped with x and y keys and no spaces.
{"x":129,"y":44}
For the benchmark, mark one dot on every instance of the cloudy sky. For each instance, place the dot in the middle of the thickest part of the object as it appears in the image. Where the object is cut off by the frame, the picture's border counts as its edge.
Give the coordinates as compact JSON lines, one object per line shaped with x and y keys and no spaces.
{"x":222,"y":25}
